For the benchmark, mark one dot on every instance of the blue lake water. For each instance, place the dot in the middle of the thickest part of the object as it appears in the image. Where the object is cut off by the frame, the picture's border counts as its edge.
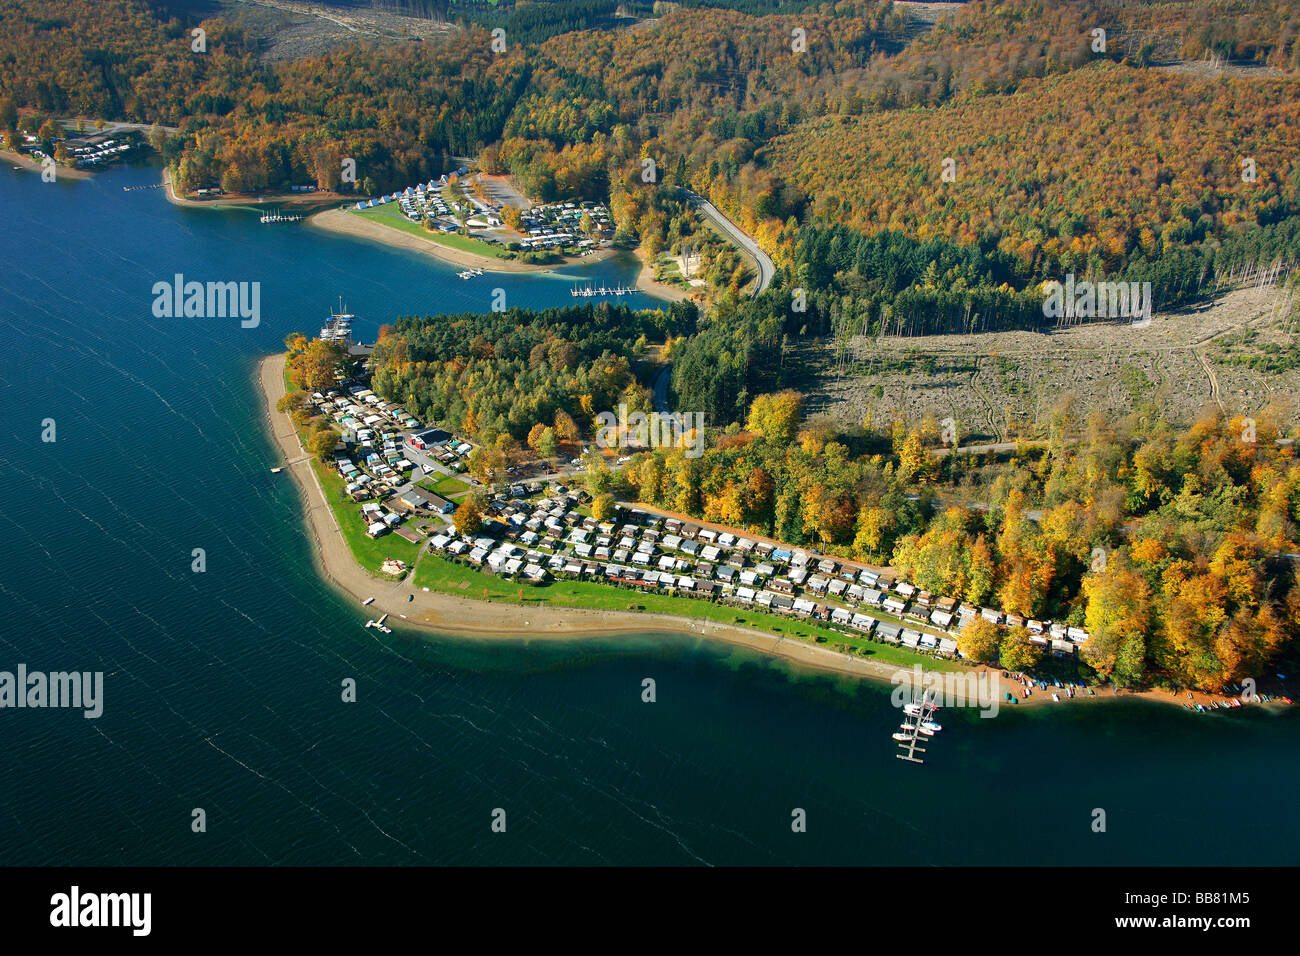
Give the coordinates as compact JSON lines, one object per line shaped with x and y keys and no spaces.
{"x":222,"y":689}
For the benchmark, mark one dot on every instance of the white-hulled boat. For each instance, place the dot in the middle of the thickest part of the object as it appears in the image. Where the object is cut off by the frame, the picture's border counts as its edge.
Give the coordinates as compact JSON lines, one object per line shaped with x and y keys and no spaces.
{"x":902,"y":736}
{"x":931,"y":726}
{"x":916,"y":710}
{"x":928,"y":733}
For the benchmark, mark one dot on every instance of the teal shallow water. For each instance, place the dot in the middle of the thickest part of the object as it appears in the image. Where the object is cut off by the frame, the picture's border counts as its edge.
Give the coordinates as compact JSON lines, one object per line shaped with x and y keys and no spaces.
{"x":223,"y":688}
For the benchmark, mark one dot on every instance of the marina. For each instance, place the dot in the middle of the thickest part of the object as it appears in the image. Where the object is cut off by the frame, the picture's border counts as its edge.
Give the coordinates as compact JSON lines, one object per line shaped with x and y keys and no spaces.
{"x":586,"y":292}
{"x":909,"y":733}
{"x":276,"y":216}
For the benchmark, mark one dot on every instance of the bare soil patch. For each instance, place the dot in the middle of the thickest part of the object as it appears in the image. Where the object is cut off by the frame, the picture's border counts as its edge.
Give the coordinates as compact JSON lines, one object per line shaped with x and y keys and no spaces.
{"x":1238,"y":352}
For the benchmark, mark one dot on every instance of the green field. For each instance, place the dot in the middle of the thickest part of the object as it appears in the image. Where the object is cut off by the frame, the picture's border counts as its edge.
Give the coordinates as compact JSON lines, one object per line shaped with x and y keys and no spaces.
{"x":391,"y":215}
{"x":669,"y":272}
{"x":442,"y":575}
{"x":369,"y":552}
{"x":447,"y":486}
{"x":447,"y":577}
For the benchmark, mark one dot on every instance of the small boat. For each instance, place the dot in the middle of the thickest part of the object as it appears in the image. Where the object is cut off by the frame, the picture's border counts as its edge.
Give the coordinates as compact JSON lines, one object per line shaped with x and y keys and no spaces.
{"x":928,"y":733}
{"x":931,"y":726}
{"x":902,"y":736}
{"x":915,"y":710}
{"x":276,"y":471}
{"x":368,"y":600}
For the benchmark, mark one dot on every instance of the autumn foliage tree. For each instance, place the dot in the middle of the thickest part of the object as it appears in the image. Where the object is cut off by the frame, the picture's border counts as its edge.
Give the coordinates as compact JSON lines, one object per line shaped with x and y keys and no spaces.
{"x":980,"y":640}
{"x":468,"y":517}
{"x":316,"y":367}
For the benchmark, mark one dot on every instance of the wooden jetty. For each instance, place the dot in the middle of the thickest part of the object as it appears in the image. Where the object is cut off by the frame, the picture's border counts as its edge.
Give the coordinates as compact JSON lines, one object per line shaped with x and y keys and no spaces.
{"x":585,"y":292}
{"x":912,"y":731}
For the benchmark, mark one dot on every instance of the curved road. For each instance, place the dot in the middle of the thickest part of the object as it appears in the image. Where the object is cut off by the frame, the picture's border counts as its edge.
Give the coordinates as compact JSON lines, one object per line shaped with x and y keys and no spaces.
{"x":766,"y":273}
{"x":766,"y":268}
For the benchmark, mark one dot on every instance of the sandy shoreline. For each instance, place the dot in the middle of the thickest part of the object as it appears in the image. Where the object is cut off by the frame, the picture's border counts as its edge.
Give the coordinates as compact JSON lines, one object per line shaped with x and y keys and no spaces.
{"x":337,"y":221}
{"x":340,"y":222}
{"x":60,"y":171}
{"x":302,"y":201}
{"x":464,"y":617}
{"x":646,"y":282}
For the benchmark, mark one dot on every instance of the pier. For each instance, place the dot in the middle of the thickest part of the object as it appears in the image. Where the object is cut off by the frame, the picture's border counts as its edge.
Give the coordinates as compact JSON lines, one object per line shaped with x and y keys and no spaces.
{"x":589,"y":291}
{"x":910,"y":734}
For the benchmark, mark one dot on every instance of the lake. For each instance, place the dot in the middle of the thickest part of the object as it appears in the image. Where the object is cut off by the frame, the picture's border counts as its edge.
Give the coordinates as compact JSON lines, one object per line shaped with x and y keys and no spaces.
{"x":222,"y":689}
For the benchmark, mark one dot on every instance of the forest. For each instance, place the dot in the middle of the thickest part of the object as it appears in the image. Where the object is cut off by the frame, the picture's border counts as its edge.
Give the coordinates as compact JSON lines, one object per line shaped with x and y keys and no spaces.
{"x":823,"y":130}
{"x":496,"y":375}
{"x":1065,"y":156}
{"x":1161,"y":542}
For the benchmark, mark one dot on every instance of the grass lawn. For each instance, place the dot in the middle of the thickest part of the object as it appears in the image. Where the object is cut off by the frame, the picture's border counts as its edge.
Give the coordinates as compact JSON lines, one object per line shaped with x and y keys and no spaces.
{"x":670,"y":272}
{"x":447,"y":486}
{"x":369,"y":552}
{"x":444,"y":576}
{"x":391,"y":215}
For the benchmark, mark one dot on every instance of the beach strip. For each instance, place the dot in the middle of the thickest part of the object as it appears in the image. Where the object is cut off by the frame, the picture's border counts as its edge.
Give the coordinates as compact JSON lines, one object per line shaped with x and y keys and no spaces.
{"x":465,"y":617}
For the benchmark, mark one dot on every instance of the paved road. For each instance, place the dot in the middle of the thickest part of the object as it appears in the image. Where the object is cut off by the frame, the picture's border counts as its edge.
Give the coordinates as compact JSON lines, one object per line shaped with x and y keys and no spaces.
{"x":766,"y":273}
{"x":661,"y":389}
{"x":111,"y":127}
{"x":766,"y":268}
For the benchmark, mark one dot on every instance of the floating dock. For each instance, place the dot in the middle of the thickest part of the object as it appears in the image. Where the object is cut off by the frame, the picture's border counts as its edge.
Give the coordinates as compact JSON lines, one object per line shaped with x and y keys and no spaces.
{"x":912,"y":731}
{"x":586,"y":292}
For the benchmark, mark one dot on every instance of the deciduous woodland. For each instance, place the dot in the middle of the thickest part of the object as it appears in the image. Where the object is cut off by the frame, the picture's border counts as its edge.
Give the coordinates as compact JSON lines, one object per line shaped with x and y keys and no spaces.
{"x":1165,"y":543}
{"x":1134,"y":158}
